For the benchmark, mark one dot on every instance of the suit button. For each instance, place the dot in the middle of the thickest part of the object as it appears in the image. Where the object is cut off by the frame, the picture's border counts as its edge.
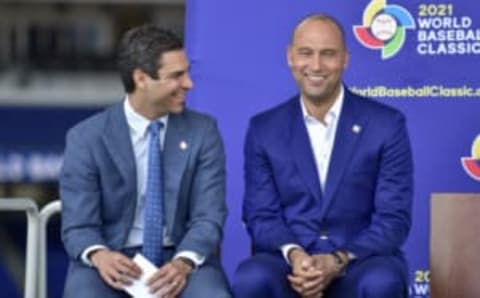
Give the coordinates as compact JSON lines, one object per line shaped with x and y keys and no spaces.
{"x":324,"y":235}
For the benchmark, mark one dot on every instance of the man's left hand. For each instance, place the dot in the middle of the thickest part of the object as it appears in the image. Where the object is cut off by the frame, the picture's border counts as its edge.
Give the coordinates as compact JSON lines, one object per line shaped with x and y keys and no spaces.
{"x":330,"y":269}
{"x":170,"y":279}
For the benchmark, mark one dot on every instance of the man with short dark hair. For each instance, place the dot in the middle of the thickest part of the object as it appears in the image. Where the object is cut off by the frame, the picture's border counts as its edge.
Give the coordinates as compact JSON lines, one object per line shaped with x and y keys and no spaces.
{"x":328,"y":184}
{"x":145,"y":176}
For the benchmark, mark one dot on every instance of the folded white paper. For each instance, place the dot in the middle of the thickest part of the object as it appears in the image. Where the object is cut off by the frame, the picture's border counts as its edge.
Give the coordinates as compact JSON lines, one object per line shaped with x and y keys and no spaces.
{"x":138,"y":288}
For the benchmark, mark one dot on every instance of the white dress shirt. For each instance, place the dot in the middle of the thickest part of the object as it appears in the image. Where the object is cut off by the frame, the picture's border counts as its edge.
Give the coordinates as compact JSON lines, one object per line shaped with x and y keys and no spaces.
{"x":139,"y":136}
{"x":322,"y":136}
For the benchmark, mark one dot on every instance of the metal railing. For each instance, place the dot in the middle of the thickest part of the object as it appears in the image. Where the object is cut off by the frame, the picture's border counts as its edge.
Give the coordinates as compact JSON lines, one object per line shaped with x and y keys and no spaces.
{"x":31,"y":209}
{"x":44,"y":216}
{"x":36,"y":246}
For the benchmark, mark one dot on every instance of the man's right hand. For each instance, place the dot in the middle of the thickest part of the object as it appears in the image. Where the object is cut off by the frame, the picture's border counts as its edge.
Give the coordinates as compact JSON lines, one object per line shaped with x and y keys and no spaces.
{"x":116,"y":269}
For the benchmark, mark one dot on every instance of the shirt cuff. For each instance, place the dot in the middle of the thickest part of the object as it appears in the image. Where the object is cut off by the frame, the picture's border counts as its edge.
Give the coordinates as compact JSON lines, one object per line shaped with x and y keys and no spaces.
{"x":87,"y":251}
{"x":286,"y":248}
{"x":197,"y":259}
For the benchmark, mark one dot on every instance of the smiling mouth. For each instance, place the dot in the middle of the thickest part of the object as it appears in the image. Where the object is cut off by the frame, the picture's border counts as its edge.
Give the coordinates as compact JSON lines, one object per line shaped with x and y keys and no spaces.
{"x":316,"y":79}
{"x":179,"y":96}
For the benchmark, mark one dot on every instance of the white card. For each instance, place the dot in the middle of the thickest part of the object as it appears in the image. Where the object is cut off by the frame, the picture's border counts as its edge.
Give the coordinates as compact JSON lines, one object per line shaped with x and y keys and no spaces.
{"x":138,"y":288}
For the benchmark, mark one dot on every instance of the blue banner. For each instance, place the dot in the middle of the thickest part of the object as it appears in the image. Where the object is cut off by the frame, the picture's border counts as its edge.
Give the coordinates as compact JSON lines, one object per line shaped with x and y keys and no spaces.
{"x":419,"y":56}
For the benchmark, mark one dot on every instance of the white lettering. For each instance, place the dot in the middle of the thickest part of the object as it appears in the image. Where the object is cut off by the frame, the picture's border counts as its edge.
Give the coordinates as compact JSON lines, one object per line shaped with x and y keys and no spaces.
{"x":445,"y":23}
{"x":421,"y":289}
{"x":34,"y":166}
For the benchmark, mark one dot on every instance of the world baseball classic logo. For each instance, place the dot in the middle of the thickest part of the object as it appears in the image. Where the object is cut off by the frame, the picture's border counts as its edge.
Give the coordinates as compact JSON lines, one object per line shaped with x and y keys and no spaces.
{"x":471,"y":164}
{"x":384,"y":27}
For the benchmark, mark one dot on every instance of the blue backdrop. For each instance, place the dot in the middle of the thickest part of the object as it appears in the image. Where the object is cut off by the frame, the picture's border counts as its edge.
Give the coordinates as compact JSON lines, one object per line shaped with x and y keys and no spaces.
{"x":425,"y":64}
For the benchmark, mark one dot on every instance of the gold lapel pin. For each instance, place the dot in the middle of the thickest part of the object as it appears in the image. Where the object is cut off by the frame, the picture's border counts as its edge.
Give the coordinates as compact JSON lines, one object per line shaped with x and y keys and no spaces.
{"x":356,"y":128}
{"x":183,"y":145}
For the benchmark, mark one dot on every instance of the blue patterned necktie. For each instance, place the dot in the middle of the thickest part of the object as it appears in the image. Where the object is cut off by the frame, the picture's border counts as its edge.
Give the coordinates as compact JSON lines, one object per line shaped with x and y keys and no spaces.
{"x":153,"y":208}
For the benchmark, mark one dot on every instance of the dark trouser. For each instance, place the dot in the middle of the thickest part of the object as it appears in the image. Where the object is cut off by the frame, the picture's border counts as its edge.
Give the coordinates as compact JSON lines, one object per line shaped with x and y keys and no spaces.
{"x":265,"y":275}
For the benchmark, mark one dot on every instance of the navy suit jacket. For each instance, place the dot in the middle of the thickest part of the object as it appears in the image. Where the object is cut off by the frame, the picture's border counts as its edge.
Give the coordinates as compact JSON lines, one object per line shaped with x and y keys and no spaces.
{"x":98,"y":183}
{"x":365,"y":207}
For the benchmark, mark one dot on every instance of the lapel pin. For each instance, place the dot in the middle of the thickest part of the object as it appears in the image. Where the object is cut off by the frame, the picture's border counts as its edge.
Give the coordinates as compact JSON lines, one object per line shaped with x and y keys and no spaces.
{"x":356,"y":128}
{"x":183,"y":145}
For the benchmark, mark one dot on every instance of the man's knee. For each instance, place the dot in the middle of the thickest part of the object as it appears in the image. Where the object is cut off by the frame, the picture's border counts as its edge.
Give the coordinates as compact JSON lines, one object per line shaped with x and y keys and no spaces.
{"x":208,"y":282}
{"x":262,"y":276}
{"x":253,"y":274}
{"x":383,"y":282}
{"x":85,"y":282}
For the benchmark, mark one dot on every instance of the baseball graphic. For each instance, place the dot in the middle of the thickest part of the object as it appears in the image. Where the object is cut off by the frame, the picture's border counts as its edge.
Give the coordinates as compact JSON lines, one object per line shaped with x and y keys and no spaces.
{"x":384,"y":26}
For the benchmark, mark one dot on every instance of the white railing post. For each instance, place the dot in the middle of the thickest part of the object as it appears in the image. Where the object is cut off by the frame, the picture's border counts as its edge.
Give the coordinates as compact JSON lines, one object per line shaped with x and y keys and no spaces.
{"x":45,"y":214}
{"x":31,"y":209}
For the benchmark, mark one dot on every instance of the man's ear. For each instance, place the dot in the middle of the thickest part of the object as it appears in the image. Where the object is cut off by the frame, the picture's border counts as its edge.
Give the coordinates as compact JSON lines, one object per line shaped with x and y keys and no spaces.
{"x":347,"y":60}
{"x":139,"y":78}
{"x":289,"y":55}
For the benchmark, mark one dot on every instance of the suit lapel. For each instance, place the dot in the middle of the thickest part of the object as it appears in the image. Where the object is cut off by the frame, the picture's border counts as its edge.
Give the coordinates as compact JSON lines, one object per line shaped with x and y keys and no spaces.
{"x":176,"y":150}
{"x":349,"y":130}
{"x":118,"y":143}
{"x":302,"y":151}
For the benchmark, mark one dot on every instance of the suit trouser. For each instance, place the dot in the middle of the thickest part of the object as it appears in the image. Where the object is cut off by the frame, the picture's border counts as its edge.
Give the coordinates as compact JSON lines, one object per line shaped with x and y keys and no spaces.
{"x":265,"y":275}
{"x":208,"y":281}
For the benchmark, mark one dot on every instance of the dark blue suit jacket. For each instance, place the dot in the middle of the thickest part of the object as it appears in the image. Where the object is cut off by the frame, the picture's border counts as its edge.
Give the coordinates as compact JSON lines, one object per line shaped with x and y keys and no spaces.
{"x":365,"y":207}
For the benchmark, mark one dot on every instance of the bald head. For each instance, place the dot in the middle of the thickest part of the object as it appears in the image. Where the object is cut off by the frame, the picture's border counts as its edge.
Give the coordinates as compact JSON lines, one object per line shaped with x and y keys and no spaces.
{"x":323,"y":18}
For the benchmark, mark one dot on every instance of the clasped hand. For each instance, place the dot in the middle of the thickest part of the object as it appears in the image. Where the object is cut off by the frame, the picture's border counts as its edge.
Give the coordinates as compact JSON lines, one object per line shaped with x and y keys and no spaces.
{"x":118,"y":271}
{"x":311,"y":274}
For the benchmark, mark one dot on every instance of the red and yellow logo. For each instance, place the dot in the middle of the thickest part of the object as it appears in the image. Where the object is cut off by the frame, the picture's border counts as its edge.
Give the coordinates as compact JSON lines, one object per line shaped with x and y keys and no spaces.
{"x":471,"y":164}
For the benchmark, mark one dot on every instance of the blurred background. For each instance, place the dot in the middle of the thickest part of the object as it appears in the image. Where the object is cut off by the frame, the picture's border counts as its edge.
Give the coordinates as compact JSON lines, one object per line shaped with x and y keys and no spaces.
{"x":56,"y":67}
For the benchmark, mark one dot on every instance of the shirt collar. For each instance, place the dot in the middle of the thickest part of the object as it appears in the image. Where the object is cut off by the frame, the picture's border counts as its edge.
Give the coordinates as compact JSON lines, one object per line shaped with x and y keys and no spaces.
{"x":332,"y":114}
{"x":138,"y":123}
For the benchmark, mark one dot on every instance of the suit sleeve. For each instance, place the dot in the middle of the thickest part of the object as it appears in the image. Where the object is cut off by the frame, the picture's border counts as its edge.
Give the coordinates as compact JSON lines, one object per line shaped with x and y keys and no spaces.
{"x":390,"y":222}
{"x":207,"y":202}
{"x":262,"y":211}
{"x":80,"y":196}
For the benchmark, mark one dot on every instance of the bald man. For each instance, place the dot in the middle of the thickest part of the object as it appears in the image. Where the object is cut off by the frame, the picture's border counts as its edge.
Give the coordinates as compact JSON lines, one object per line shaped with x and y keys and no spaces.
{"x":328,"y":184}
